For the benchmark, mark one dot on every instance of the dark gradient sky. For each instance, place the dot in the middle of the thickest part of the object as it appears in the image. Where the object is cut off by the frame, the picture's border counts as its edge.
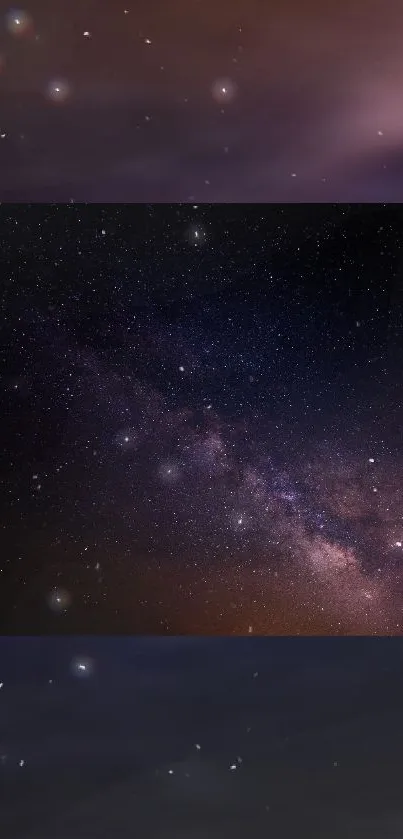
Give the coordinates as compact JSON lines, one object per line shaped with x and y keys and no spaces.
{"x":201,"y":419}
{"x":142,"y":743}
{"x":106,"y":101}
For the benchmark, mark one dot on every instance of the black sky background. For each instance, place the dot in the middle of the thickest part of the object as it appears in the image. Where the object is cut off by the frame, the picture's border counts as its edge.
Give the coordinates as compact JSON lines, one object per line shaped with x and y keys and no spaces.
{"x":105,"y":101}
{"x":317,"y":724}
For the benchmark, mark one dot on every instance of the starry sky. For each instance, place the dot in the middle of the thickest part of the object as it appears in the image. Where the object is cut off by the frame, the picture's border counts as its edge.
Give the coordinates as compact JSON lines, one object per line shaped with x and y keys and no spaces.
{"x":201,"y":419}
{"x":175,"y":737}
{"x":242,"y":100}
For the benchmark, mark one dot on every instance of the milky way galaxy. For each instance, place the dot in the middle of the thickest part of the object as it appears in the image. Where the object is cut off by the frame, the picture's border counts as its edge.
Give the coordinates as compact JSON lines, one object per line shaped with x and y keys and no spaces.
{"x":202,"y":437}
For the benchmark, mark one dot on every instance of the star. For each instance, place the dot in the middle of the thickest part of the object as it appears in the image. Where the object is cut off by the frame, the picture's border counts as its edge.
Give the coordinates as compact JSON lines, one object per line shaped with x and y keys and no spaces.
{"x":224,"y":91}
{"x":18,"y":22}
{"x":82,"y":667}
{"x":59,"y":600}
{"x":58,"y":91}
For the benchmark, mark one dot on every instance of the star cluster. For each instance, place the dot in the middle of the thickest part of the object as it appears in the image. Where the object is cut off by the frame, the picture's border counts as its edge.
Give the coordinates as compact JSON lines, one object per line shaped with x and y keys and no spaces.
{"x":202,"y":439}
{"x":237,"y":101}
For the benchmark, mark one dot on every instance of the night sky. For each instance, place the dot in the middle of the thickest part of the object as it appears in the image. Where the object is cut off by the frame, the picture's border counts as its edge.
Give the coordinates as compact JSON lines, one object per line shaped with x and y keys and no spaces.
{"x":241,"y":100}
{"x":200,"y":737}
{"x":201,"y":419}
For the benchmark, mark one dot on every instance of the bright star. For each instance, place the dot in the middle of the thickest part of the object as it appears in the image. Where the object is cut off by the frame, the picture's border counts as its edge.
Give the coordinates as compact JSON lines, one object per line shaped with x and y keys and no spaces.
{"x":224,"y":91}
